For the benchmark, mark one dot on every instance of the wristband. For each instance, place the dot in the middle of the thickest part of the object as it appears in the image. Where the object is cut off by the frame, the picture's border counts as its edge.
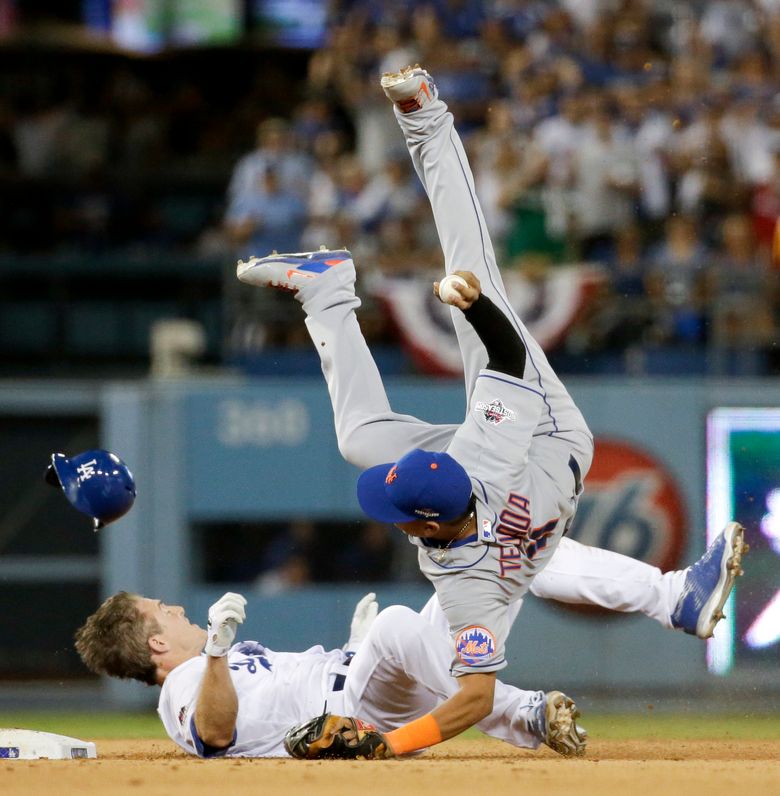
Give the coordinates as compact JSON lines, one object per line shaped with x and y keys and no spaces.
{"x":417,"y":734}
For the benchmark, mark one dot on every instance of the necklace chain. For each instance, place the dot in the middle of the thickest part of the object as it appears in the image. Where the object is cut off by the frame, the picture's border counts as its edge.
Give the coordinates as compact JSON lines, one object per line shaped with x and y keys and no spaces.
{"x":440,"y":555}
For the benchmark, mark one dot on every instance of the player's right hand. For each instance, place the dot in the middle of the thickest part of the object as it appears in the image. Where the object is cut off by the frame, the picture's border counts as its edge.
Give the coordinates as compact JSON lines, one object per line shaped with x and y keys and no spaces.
{"x":225,"y":616}
{"x":469,"y":294}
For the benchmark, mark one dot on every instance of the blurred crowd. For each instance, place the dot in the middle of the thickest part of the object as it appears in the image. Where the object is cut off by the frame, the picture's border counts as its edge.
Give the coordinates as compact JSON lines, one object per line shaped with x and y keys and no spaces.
{"x":641,"y":135}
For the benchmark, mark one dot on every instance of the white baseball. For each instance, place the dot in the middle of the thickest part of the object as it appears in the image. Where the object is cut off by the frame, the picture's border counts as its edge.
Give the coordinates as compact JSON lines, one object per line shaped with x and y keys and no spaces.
{"x":447,"y":292}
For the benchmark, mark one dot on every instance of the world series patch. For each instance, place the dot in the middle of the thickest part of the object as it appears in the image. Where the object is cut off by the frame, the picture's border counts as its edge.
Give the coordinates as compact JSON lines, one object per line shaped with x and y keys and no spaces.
{"x":474,"y":645}
{"x":494,"y":412}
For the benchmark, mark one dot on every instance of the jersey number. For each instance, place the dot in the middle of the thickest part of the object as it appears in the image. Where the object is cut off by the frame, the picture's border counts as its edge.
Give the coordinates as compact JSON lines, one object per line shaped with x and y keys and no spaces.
{"x":251,"y":664}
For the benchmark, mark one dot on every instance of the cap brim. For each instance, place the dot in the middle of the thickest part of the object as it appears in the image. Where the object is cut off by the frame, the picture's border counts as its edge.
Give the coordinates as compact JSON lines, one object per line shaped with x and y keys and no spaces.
{"x":68,"y":480}
{"x":51,"y":477}
{"x":373,"y":498}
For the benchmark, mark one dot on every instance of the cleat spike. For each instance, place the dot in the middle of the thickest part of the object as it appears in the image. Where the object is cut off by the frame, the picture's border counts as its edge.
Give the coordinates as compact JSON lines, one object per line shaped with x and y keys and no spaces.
{"x":411,"y":88}
{"x":555,"y":724}
{"x":709,"y":582}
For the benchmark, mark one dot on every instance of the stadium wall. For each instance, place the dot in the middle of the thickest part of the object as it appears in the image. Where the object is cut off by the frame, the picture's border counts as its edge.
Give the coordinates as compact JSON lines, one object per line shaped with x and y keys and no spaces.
{"x":238,"y":450}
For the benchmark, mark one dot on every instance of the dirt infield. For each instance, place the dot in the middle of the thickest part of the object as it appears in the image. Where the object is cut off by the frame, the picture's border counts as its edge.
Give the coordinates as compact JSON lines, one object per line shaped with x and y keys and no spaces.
{"x":457,"y":767}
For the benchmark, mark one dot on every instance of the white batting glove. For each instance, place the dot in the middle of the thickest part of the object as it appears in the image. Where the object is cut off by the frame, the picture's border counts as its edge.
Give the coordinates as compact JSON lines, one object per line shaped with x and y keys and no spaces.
{"x":225,"y":616}
{"x":364,"y":616}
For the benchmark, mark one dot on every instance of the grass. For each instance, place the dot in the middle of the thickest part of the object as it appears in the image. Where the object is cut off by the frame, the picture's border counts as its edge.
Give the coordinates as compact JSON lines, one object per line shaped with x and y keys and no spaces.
{"x":88,"y":725}
{"x":615,"y":727}
{"x":680,"y":726}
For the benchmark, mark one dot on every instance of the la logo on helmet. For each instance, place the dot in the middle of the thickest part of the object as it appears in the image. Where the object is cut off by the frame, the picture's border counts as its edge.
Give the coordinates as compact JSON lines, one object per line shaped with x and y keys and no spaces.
{"x":96,"y":482}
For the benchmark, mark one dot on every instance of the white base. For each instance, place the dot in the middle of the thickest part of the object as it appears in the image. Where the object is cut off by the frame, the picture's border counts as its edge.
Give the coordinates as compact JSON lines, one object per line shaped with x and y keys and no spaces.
{"x":34,"y":745}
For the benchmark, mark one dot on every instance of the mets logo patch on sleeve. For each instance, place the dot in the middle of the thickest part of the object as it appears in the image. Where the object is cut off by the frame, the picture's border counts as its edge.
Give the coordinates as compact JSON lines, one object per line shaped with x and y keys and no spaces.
{"x":494,"y":412}
{"x":475,"y":645}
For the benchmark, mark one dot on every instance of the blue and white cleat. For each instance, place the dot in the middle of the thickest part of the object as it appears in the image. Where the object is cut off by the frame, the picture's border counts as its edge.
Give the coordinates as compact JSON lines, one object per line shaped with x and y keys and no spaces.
{"x":555,"y":724}
{"x":411,"y":89}
{"x":709,"y":582}
{"x":289,"y":271}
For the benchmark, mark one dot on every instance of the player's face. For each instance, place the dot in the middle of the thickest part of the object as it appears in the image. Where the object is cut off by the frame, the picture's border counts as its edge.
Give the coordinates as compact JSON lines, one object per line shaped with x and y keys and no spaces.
{"x":176,"y":629}
{"x":426,"y":528}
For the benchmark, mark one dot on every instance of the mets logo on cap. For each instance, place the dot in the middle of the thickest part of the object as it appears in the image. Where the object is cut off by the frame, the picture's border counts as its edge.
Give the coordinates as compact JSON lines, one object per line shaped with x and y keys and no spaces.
{"x":475,"y":645}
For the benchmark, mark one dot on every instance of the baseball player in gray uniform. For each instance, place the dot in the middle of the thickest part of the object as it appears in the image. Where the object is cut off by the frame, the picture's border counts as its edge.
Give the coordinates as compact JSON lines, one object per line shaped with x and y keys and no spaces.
{"x":486,"y":501}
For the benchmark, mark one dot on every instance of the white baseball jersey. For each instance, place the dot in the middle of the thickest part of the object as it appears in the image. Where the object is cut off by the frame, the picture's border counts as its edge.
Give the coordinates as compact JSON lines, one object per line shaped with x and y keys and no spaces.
{"x":399,"y":673}
{"x":400,"y":670}
{"x":275,"y":691}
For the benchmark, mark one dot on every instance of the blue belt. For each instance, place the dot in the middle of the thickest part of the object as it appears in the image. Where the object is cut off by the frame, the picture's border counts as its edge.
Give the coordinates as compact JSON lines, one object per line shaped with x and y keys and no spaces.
{"x":340,"y":679}
{"x":577,"y":473}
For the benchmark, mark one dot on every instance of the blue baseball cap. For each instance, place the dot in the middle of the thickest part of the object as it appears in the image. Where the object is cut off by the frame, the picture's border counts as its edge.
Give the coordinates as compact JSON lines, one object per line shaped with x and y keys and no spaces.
{"x":422,"y":485}
{"x":96,"y":482}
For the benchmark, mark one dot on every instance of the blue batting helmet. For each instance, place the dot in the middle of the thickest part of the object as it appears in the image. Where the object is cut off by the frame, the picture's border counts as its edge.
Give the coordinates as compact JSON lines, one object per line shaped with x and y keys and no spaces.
{"x":96,"y":482}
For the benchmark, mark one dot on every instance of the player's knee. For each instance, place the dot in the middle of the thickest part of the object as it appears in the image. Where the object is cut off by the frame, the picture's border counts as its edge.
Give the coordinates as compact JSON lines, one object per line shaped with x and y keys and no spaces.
{"x":352,"y":447}
{"x":396,"y":614}
{"x":398,"y":621}
{"x":348,"y":450}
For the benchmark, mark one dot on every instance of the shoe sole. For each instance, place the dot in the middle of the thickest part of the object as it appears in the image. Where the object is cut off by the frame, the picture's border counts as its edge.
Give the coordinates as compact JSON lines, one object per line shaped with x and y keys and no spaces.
{"x":255,"y":263}
{"x":406,"y":99}
{"x":393,"y":79}
{"x":730,"y":570}
{"x":245,"y":271}
{"x":564,"y":736}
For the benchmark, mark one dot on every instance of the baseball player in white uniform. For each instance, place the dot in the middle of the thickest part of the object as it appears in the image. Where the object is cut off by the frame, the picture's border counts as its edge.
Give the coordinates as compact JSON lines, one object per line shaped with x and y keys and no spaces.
{"x":486,"y":501}
{"x":222,"y":699}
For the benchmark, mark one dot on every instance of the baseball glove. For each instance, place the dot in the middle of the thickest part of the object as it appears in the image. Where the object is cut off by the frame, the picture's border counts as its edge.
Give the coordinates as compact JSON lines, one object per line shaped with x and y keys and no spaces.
{"x":339,"y":737}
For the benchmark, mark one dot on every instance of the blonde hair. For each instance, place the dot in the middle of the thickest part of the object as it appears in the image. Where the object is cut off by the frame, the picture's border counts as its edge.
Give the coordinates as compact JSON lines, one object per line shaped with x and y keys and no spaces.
{"x":115,"y":640}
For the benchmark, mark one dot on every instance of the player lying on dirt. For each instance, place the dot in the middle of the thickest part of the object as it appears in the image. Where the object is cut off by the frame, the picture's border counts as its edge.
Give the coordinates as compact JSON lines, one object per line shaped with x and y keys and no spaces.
{"x":488,"y":500}
{"x":394,"y":669}
{"x":240,"y":700}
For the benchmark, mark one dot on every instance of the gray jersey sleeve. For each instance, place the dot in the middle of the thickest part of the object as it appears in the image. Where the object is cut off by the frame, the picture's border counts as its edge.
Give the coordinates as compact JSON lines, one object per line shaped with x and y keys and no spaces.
{"x":493,"y":442}
{"x":475,"y":586}
{"x":476,"y":604}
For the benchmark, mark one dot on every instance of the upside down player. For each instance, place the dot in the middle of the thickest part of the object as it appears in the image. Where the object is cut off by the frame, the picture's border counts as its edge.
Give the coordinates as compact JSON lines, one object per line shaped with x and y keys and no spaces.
{"x":488,"y":501}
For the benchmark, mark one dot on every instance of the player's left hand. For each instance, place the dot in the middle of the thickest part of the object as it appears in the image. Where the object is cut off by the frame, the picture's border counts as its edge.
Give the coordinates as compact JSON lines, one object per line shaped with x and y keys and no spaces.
{"x":469,"y":294}
{"x":339,"y":737}
{"x":364,"y":616}
{"x":224,"y":617}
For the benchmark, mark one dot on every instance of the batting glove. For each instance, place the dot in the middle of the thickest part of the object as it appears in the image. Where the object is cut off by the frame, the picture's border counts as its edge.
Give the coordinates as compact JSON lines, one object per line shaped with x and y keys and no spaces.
{"x":364,"y":616}
{"x":225,"y":616}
